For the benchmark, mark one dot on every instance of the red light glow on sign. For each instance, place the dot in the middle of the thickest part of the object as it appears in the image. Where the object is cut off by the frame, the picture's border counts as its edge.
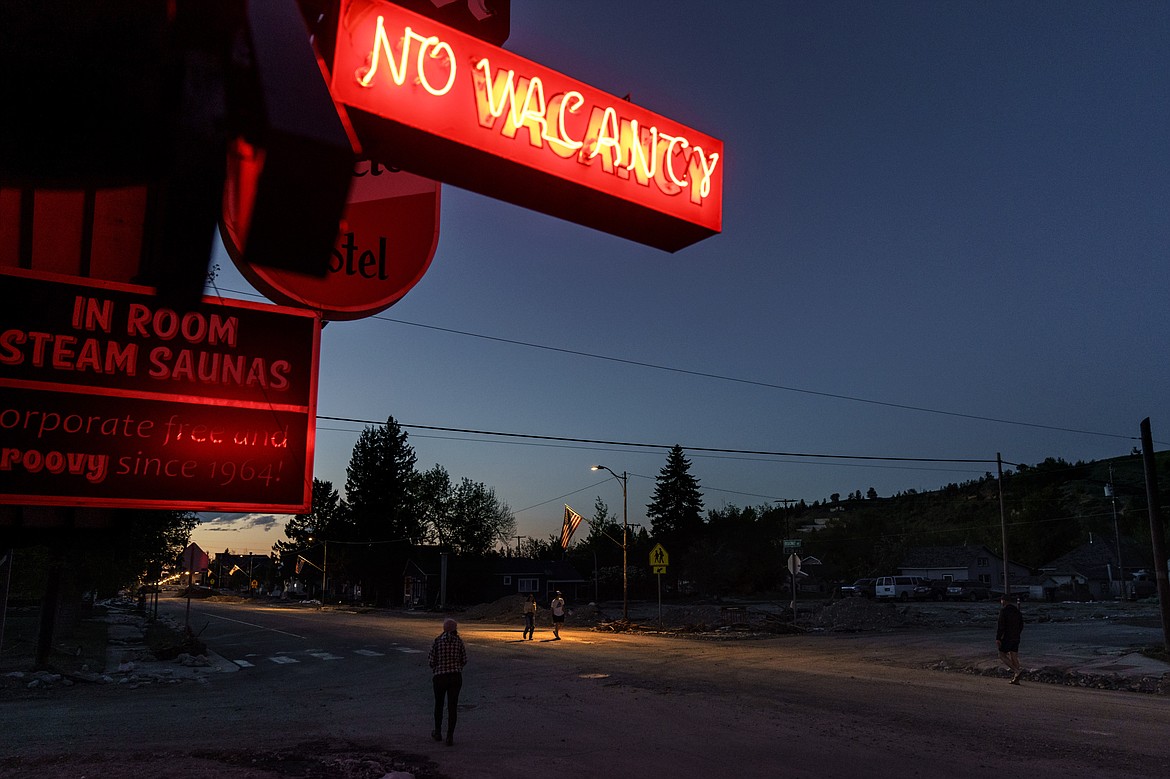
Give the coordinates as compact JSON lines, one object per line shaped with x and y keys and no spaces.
{"x":386,"y":241}
{"x":110,"y":398}
{"x":457,"y":109}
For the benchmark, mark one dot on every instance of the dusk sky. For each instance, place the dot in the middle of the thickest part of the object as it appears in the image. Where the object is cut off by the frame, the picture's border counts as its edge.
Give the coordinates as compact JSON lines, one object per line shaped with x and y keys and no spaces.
{"x":945,"y":235}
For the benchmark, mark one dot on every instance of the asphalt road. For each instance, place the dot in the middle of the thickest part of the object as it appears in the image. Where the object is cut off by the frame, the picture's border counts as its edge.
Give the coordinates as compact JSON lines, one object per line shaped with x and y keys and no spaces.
{"x":593,"y":704}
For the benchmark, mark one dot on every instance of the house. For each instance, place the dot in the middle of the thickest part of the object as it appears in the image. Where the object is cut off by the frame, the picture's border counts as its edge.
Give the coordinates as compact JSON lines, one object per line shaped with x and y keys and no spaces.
{"x":1090,"y":572}
{"x":542,"y":578}
{"x":417,"y":582}
{"x":968,"y":562}
{"x":427,"y":578}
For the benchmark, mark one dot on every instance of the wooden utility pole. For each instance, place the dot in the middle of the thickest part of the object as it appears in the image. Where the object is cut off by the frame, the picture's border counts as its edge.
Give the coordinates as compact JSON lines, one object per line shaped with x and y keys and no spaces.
{"x":1007,"y":589}
{"x":1157,"y":531}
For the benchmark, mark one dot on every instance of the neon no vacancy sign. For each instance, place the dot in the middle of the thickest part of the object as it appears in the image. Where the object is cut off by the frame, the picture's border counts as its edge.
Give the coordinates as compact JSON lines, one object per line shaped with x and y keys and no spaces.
{"x":449,"y":106}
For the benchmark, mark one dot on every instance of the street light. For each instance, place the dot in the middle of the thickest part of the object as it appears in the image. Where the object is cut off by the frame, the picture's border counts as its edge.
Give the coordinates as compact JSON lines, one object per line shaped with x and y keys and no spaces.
{"x":324,"y":565}
{"x":624,"y":478}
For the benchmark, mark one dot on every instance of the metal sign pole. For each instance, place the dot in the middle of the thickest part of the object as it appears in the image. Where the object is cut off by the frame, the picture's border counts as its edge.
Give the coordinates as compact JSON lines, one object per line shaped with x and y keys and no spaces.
{"x":659,"y":599}
{"x":793,"y":568}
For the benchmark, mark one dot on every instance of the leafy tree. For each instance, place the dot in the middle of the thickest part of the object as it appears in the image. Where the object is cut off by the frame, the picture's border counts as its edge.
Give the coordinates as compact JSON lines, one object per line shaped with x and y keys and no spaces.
{"x":604,"y":530}
{"x":309,"y":533}
{"x":675,"y":509}
{"x":380,"y":486}
{"x":137,"y":539}
{"x":468,"y":519}
{"x":478,"y":519}
{"x":326,"y":519}
{"x":536,"y":549}
{"x":434,"y":494}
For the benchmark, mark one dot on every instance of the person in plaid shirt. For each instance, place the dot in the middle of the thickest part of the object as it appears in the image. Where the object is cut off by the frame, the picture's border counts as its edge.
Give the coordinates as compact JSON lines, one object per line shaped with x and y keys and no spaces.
{"x":447,"y":658}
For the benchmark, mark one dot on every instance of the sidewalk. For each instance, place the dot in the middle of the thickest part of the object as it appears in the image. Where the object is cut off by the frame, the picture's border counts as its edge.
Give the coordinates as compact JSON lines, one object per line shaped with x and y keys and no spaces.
{"x":119,"y":654}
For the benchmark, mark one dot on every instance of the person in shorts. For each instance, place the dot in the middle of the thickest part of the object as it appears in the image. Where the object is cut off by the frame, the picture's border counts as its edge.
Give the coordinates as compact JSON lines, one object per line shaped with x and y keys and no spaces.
{"x":529,"y":617}
{"x":558,"y":615}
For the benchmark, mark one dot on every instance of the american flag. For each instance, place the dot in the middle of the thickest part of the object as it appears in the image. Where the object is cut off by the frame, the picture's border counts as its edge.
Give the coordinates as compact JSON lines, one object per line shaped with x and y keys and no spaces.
{"x":572,"y":519}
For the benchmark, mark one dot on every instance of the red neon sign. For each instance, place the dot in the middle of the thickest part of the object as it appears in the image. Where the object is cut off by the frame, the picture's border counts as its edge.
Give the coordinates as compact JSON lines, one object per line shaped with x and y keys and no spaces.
{"x":386,"y":241}
{"x":452,"y":107}
{"x":112,"y":398}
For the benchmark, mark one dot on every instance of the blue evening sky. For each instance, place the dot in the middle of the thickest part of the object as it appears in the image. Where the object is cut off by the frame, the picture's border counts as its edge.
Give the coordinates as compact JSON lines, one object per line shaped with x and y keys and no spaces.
{"x":945,"y":235}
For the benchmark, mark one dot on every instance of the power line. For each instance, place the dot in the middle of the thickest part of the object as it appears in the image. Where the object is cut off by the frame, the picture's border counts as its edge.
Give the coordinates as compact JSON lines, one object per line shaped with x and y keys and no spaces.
{"x":755,"y":382}
{"x":711,"y":451}
{"x":632,"y":444}
{"x":699,"y":455}
{"x":750,"y":382}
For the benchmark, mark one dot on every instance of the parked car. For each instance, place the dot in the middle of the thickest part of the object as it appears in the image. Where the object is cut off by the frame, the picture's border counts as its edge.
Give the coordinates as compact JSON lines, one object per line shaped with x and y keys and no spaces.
{"x":930,"y":589}
{"x":862,"y":588}
{"x":895,"y":587}
{"x":962,"y":590}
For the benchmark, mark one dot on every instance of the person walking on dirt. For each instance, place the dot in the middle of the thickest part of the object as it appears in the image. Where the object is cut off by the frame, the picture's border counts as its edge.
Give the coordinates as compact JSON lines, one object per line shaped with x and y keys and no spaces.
{"x":530,"y":617}
{"x":1007,"y":636}
{"x":558,"y":615}
{"x":447,"y":658}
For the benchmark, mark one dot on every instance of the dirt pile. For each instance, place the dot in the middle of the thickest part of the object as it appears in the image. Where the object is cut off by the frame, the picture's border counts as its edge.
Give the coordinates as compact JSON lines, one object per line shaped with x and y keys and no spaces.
{"x":862,"y":614}
{"x":507,"y":609}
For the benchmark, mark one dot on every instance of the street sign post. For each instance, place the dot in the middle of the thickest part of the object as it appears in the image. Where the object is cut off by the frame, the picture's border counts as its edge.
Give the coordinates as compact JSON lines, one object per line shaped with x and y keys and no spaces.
{"x":793,"y":569}
{"x":659,"y":559}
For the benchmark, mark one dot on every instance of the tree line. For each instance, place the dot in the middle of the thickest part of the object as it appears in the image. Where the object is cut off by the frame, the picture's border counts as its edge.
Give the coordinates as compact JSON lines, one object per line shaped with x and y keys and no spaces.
{"x":1048,"y":509}
{"x":392,"y":511}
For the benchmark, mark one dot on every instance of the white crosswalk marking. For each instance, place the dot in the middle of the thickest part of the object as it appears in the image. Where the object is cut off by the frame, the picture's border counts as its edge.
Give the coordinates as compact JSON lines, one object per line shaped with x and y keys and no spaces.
{"x":320,"y":654}
{"x":325,"y":656}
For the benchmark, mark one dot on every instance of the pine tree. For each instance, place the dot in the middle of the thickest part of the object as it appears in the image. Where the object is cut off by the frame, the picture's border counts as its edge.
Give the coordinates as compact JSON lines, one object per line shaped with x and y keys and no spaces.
{"x":676,"y":508}
{"x":380,"y":486}
{"x":325,"y":519}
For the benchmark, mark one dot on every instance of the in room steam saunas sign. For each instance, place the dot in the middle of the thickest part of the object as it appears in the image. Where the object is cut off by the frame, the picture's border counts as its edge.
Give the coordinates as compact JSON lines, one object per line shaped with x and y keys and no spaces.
{"x":111,"y":398}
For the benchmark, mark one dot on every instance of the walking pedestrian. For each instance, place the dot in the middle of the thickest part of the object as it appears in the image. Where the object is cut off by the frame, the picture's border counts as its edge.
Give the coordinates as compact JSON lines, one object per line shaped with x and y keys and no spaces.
{"x":558,"y":615}
{"x":1007,"y":636}
{"x":530,"y":617}
{"x":447,"y":658}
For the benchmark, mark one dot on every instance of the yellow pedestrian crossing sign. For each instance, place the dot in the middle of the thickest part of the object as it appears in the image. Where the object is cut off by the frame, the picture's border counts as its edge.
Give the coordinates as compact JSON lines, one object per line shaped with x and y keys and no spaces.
{"x":659,"y":558}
